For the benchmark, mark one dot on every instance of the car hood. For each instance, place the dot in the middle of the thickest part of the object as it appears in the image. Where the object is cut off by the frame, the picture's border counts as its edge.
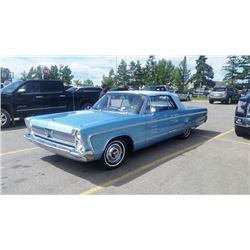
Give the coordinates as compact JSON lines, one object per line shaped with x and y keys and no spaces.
{"x":77,"y":119}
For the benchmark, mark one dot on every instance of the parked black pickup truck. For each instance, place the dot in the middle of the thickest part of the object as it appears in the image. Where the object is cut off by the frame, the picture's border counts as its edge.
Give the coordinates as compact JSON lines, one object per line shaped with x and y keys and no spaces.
{"x":33,"y":97}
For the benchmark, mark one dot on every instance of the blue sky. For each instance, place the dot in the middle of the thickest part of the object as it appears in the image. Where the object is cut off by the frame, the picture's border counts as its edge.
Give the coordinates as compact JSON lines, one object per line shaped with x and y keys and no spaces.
{"x":94,"y":67}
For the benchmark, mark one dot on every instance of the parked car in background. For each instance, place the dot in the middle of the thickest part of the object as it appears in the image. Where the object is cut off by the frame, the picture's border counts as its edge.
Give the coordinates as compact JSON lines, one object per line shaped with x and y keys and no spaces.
{"x":183,"y":96}
{"x":242,"y":116}
{"x":155,"y":88}
{"x":82,"y":97}
{"x":34,"y":97}
{"x":224,"y":95}
{"x":120,"y":122}
{"x":118,"y":89}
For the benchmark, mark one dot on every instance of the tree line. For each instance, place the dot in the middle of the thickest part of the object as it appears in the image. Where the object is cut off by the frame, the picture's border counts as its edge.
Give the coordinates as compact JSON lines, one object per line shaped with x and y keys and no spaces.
{"x":237,"y":71}
{"x":157,"y":72}
{"x":62,"y":72}
{"x":161,"y":72}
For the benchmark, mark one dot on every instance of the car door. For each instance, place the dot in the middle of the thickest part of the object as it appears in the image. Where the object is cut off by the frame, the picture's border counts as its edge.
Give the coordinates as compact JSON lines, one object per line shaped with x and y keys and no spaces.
{"x":53,"y":97}
{"x":25,"y":99}
{"x":165,"y":121}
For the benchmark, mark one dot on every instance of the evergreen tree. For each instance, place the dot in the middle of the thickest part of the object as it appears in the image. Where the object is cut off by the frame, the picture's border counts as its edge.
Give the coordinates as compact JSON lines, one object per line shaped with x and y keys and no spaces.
{"x":164,"y":72}
{"x":150,"y":71}
{"x":122,"y":74}
{"x":181,"y":76}
{"x":232,"y":69}
{"x":131,"y":73}
{"x":65,"y":74}
{"x":138,"y":75}
{"x":244,"y":65}
{"x":185,"y":72}
{"x":110,"y":80}
{"x":177,"y":79}
{"x":88,"y":82}
{"x":35,"y":73}
{"x":78,"y":83}
{"x":54,"y":73}
{"x":204,"y":73}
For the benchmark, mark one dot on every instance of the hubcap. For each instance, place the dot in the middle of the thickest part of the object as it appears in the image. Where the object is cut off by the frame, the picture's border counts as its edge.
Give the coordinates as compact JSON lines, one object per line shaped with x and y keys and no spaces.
{"x":187,"y":132}
{"x":3,"y":119}
{"x":114,"y":154}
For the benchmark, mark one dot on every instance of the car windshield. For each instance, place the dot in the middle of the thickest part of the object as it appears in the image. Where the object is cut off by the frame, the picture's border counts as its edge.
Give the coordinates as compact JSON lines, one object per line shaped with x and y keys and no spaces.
{"x":219,"y":89}
{"x":120,"y":102}
{"x":11,"y":87}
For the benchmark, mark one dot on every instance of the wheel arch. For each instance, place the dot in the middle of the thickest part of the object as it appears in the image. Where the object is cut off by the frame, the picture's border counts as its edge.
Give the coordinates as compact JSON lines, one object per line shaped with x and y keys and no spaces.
{"x":128,"y":140}
{"x":8,"y":108}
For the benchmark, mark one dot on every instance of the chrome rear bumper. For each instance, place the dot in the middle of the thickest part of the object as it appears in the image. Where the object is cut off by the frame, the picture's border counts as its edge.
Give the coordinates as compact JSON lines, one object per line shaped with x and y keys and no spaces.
{"x":63,"y":150}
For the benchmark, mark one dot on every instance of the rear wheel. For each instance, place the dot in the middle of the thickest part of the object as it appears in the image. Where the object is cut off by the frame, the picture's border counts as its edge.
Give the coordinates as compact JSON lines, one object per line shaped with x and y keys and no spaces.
{"x":186,"y":133}
{"x":114,"y":154}
{"x":86,"y":106}
{"x":211,"y":102}
{"x":5,"y":118}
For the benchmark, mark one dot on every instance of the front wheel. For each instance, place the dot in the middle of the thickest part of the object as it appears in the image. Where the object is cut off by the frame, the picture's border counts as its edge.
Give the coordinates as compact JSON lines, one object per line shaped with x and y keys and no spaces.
{"x":238,"y":131}
{"x":5,"y":118}
{"x":114,"y":154}
{"x":211,"y":102}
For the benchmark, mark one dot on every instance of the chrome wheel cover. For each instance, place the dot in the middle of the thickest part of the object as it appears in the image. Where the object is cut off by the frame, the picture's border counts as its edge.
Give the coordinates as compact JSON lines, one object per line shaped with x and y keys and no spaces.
{"x":114,"y":153}
{"x":3,"y":119}
{"x":187,"y":132}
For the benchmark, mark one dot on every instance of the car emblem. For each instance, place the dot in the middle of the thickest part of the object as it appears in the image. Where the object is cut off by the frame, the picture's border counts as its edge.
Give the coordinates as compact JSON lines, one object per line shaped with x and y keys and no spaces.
{"x":49,"y":133}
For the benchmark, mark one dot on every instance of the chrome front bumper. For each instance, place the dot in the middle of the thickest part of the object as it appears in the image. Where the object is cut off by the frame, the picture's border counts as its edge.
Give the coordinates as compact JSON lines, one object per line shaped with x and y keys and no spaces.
{"x":63,"y":150}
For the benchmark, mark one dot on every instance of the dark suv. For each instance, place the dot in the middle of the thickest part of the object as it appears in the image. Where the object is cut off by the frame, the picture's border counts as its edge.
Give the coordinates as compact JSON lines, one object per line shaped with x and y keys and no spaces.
{"x":242,"y":116}
{"x":224,"y":95}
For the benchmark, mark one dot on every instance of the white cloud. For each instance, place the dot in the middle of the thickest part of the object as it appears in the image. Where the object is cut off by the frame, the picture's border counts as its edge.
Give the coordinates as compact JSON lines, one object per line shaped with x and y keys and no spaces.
{"x":94,"y":67}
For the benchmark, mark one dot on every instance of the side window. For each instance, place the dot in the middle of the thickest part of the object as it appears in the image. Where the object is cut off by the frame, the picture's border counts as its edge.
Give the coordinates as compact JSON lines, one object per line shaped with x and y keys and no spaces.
{"x":162,"y":103}
{"x":51,"y":87}
{"x":29,"y":88}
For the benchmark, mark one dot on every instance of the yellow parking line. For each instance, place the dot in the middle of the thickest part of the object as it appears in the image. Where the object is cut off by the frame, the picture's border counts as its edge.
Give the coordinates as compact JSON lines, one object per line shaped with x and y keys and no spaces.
{"x":18,"y":151}
{"x":149,"y":165}
{"x":224,"y":139}
{"x":220,"y":135}
{"x":240,"y":142}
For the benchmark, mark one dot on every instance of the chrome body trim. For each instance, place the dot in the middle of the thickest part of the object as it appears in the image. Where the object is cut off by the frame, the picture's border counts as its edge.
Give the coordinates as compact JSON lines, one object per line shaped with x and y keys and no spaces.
{"x":139,"y":124}
{"x":56,"y":107}
{"x":55,"y":135}
{"x":63,"y":150}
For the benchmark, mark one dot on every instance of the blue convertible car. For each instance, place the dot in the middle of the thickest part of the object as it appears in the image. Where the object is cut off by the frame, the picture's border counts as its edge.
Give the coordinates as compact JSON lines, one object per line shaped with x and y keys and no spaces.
{"x":120,"y":122}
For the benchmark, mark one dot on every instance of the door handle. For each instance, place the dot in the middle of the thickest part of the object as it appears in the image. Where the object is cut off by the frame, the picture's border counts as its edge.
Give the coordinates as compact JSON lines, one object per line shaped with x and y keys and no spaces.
{"x":62,"y":95}
{"x":39,"y":97}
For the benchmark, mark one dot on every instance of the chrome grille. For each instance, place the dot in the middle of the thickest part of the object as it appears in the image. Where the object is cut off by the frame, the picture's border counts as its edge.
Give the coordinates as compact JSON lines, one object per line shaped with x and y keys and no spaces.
{"x":54,"y":135}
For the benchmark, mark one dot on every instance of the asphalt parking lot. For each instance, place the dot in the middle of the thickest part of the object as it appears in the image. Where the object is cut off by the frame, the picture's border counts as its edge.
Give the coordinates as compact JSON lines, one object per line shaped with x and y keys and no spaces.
{"x":212,"y":161}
